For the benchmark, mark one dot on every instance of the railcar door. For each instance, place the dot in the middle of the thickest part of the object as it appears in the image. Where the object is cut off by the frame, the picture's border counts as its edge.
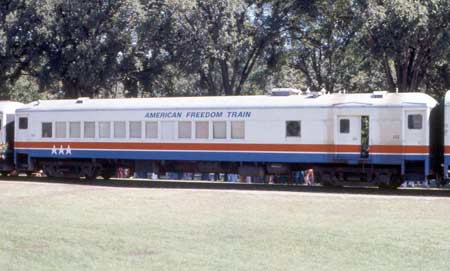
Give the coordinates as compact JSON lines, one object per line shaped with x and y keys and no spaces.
{"x":348,"y":137}
{"x":414,"y":127}
{"x":415,"y":139}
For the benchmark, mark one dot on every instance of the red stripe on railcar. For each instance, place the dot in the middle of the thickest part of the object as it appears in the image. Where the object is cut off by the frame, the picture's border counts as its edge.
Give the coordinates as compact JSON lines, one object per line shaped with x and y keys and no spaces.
{"x":327,"y":148}
{"x":447,"y":149}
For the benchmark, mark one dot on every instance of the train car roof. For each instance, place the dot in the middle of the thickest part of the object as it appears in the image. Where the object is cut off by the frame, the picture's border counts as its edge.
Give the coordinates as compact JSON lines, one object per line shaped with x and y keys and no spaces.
{"x":10,"y":105}
{"x":447,"y":97}
{"x":376,"y":99}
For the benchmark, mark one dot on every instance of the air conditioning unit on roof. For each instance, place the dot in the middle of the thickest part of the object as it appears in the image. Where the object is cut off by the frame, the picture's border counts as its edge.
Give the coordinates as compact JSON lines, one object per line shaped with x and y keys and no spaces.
{"x":284,"y":91}
{"x":378,"y":94}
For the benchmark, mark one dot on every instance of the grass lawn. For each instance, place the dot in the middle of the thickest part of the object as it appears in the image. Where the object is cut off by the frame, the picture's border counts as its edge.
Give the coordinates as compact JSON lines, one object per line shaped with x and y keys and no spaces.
{"x":46,"y":226}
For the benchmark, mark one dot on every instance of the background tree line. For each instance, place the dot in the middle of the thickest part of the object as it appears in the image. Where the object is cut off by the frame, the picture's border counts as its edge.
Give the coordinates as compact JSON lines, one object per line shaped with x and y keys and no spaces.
{"x":138,"y":48}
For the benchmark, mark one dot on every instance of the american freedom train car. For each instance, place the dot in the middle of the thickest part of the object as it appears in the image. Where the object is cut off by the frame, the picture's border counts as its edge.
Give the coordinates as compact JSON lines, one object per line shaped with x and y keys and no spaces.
{"x":375,"y":137}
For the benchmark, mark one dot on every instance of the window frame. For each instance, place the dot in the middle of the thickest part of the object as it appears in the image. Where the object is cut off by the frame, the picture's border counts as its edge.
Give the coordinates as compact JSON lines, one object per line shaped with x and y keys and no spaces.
{"x":116,"y":129}
{"x":100,"y":126}
{"x":411,"y":122}
{"x":188,"y":124}
{"x":232,"y":124}
{"x":85,"y":130}
{"x":344,"y":131}
{"x":197,"y":124}
{"x":71,"y":129}
{"x":299,"y":132}
{"x":214,"y":129}
{"x":26,"y":123}
{"x":132,"y":132}
{"x":51,"y":129}
{"x":147,"y":124}
{"x":64,"y":130}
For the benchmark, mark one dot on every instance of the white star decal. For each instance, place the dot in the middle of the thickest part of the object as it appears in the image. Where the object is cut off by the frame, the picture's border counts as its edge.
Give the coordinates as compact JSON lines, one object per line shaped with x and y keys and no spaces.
{"x":68,"y":151}
{"x":54,"y":152}
{"x":61,"y":150}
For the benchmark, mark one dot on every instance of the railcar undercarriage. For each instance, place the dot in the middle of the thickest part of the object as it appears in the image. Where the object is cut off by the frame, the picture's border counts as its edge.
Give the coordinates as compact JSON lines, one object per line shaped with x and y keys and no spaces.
{"x":326,"y":174}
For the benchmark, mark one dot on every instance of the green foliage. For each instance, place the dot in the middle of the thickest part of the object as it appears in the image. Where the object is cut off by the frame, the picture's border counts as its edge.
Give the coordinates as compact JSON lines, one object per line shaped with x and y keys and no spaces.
{"x":408,"y":37}
{"x":86,"y":39}
{"x":132,"y":48}
{"x":21,"y":38}
{"x":321,"y":44}
{"x":223,"y":40}
{"x":25,"y":90}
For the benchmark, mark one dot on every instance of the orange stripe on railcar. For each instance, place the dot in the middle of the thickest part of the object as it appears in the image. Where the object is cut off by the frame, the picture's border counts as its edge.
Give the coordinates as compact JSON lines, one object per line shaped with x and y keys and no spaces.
{"x":326,"y":148}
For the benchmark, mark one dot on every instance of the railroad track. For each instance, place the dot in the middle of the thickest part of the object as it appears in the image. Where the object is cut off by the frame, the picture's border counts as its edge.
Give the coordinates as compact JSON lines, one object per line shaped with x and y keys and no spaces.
{"x":178,"y":184}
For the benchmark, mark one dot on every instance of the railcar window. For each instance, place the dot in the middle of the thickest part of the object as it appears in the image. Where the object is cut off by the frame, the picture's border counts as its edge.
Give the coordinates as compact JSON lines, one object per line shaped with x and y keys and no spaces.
{"x":74,"y":129}
{"x":23,"y":123}
{"x":293,"y":128}
{"x":135,"y":129}
{"x":237,"y":129}
{"x":47,"y":129}
{"x":219,"y":129}
{"x":415,"y":121}
{"x":60,"y":129}
{"x":184,"y":129}
{"x":120,"y":129}
{"x":344,"y":126}
{"x":202,"y":129}
{"x":151,"y":129}
{"x":104,"y":129}
{"x":89,"y":129}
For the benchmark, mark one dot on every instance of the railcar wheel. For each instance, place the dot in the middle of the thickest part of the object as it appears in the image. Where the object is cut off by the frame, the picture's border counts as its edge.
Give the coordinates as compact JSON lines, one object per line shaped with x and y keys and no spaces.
{"x":329,"y":180}
{"x":395,"y":182}
{"x":325,"y":180}
{"x":88,"y":171}
{"x":107,"y":174}
{"x":50,"y":170}
{"x":388,"y":181}
{"x":108,"y":171}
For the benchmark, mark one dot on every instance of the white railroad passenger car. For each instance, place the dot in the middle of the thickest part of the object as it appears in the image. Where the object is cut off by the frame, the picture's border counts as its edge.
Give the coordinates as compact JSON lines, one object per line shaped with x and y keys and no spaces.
{"x":374,"y":137}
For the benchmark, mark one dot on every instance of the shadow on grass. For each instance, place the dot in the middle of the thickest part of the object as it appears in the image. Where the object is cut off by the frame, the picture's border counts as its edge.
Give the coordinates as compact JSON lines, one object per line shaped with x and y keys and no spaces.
{"x":175,"y":184}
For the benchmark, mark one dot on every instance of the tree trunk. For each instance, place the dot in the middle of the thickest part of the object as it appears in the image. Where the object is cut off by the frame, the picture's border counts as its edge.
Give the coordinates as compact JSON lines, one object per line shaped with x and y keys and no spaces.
{"x":388,"y":73}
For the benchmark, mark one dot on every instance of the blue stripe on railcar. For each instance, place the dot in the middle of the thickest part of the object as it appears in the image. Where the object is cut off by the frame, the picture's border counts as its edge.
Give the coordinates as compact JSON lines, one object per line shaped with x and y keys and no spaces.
{"x":227,"y":156}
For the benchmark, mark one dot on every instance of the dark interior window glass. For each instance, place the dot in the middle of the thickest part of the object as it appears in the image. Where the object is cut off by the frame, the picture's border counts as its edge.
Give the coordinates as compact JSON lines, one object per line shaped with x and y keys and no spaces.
{"x":293,"y":128}
{"x":46,"y":129}
{"x":415,"y":121}
{"x":344,"y":125}
{"x":23,"y":123}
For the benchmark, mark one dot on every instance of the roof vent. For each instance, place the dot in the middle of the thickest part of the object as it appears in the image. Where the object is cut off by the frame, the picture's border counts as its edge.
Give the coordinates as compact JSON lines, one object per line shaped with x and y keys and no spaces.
{"x":314,"y":94}
{"x":378,"y":94}
{"x":81,"y":100}
{"x":284,"y":91}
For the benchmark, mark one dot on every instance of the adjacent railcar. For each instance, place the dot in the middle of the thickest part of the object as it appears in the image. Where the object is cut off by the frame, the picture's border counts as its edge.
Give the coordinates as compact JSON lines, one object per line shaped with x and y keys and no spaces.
{"x":446,"y":143}
{"x":374,"y":137}
{"x":7,"y":111}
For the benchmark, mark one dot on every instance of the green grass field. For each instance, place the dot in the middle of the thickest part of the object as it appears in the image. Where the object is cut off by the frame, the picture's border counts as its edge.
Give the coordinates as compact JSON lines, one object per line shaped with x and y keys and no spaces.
{"x":48,"y":226}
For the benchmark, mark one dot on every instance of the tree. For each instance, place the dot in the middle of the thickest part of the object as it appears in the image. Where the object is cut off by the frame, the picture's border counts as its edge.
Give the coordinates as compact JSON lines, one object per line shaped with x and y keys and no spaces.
{"x":322,"y":44}
{"x":86,"y":39}
{"x":153,"y":49}
{"x":21,"y":37}
{"x":223,"y":40}
{"x":408,"y":37}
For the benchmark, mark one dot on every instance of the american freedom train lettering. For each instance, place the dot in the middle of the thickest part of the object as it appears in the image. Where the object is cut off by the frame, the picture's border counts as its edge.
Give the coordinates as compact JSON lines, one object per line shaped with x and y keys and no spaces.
{"x":197,"y":115}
